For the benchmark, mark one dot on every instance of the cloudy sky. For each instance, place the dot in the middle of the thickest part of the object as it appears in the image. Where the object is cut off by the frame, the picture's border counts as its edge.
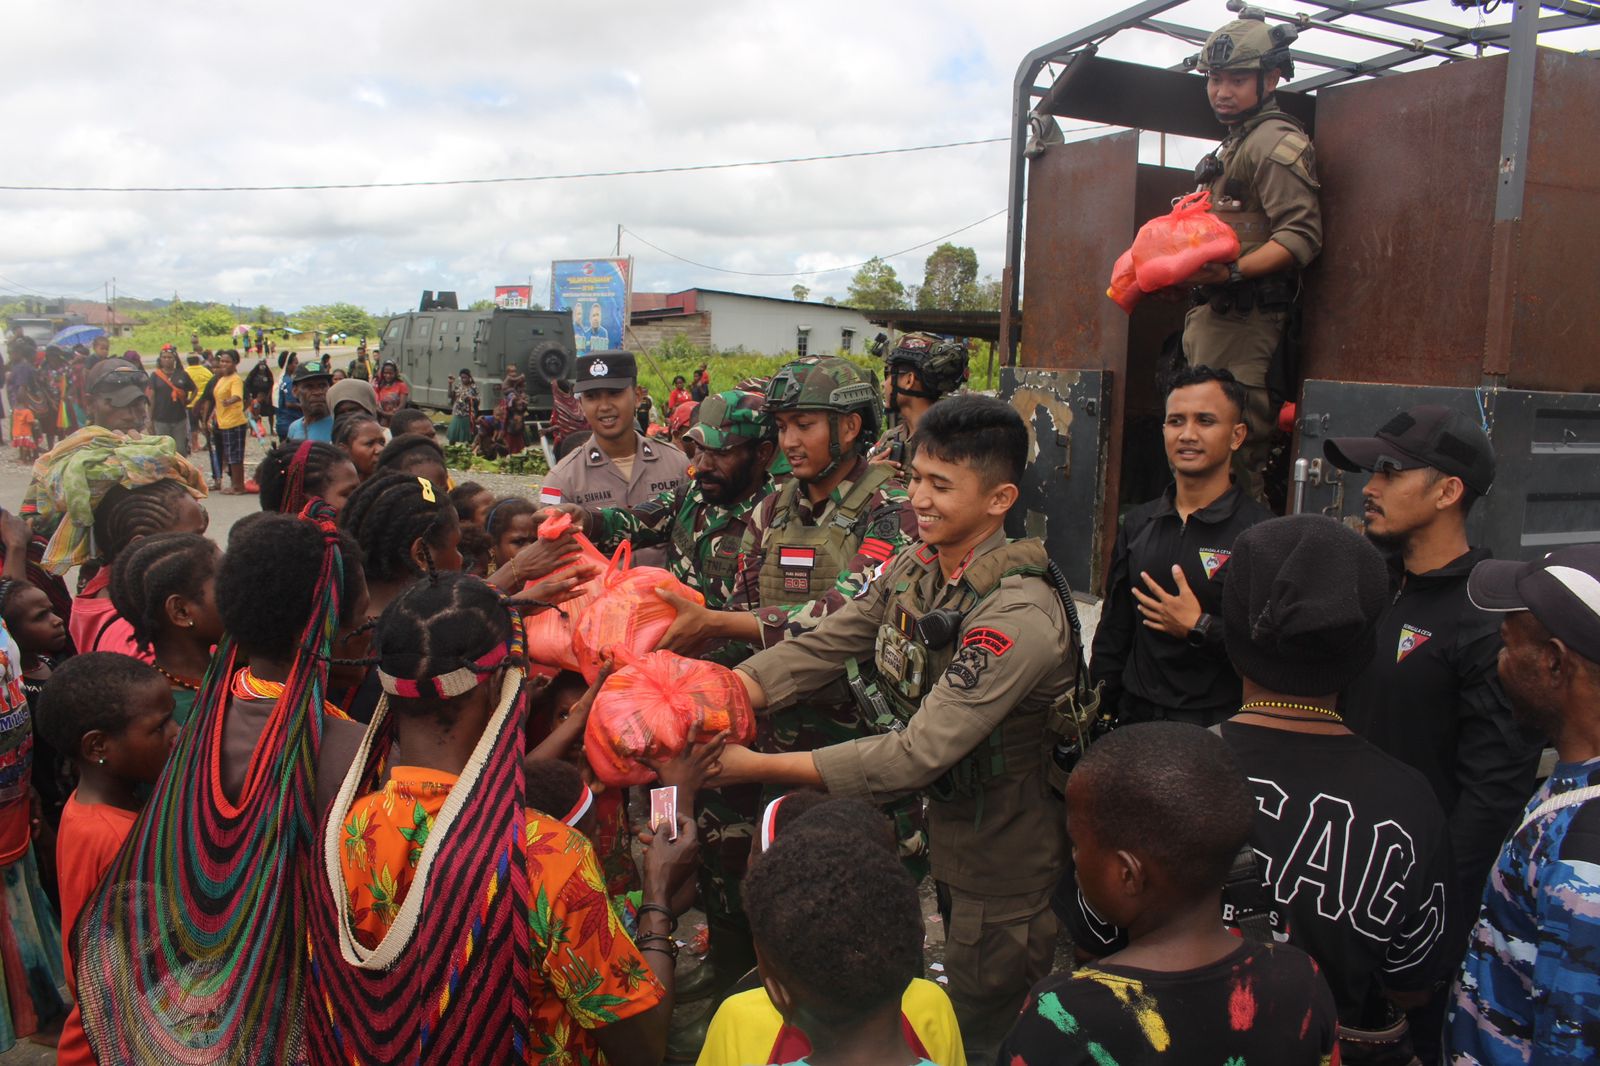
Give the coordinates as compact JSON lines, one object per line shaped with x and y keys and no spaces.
{"x":182,"y":93}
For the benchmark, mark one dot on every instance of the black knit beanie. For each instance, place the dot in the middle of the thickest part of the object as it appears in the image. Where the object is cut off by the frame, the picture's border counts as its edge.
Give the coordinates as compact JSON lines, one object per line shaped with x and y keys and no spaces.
{"x":1302,"y":597}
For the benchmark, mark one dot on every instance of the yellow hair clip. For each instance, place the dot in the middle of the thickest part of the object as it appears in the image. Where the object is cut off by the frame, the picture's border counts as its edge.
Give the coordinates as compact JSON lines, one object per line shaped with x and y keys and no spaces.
{"x":427,"y":490}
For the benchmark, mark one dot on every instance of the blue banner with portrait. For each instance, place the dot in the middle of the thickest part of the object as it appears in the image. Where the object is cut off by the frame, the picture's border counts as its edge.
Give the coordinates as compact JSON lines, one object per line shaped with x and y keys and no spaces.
{"x":596,"y":292}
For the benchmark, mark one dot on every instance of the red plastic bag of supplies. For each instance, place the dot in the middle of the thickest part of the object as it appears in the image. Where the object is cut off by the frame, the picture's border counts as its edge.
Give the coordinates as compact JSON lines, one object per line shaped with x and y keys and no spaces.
{"x":656,"y":706}
{"x":627,"y":618}
{"x":1125,"y":283}
{"x":1170,"y":248}
{"x":549,"y":633}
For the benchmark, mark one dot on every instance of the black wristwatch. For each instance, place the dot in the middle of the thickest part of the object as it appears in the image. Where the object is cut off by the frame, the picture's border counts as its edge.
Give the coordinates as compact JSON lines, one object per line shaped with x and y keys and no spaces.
{"x":1200,"y":635}
{"x":1234,"y":277}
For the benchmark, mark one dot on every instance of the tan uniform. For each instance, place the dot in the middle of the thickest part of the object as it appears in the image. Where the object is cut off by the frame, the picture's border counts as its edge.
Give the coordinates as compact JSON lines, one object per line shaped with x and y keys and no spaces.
{"x":1267,"y":191}
{"x":997,"y":848}
{"x":589,"y":478}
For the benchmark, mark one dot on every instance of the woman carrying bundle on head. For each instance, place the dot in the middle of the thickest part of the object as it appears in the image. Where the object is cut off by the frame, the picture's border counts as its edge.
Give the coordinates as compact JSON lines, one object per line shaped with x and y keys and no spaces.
{"x":293,"y":474}
{"x":538,"y":967}
{"x":193,"y":948}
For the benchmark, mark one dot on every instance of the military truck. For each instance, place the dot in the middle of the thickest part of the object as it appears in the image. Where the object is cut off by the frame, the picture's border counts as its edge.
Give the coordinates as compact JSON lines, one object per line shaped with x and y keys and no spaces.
{"x":434,"y":343}
{"x":1461,"y":218}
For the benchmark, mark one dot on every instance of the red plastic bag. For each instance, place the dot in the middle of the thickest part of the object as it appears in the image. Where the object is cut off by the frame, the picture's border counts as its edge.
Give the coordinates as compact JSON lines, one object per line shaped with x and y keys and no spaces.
{"x":1125,"y":283}
{"x":549,"y":632}
{"x":1170,"y":248}
{"x":655,"y":707}
{"x":627,"y":619}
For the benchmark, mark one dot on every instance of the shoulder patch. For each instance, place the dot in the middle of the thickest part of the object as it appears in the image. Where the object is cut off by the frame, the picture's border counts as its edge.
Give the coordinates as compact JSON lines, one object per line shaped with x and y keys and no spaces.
{"x":992,"y":641}
{"x":1290,"y":148}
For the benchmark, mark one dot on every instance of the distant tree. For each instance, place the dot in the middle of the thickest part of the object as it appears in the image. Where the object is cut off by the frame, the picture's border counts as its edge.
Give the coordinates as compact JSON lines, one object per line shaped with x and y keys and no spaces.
{"x":336,"y":318}
{"x":875,"y":287}
{"x":262,"y":314}
{"x":801,"y":293}
{"x":482,"y":305}
{"x":210,"y":320}
{"x":830,"y":301}
{"x":949,"y":280}
{"x":988,"y":294}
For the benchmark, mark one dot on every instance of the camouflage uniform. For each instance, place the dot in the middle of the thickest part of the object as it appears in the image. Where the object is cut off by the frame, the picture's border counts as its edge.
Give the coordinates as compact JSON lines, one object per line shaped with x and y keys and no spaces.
{"x":702,"y":540}
{"x":941,"y":369}
{"x":824,"y":573}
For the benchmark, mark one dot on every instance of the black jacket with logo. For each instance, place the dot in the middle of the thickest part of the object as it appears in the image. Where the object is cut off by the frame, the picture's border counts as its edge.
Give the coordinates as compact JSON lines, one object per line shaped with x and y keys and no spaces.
{"x":1146,"y":670}
{"x":1431,"y":697}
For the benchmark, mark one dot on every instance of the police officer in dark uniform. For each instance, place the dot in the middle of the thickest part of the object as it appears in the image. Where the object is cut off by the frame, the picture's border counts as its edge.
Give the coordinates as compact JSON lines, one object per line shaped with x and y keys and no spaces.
{"x":1263,"y":183}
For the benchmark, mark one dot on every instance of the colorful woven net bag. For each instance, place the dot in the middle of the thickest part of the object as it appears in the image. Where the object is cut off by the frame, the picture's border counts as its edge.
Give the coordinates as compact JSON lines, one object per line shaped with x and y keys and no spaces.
{"x":193,"y":948}
{"x":449,"y":982}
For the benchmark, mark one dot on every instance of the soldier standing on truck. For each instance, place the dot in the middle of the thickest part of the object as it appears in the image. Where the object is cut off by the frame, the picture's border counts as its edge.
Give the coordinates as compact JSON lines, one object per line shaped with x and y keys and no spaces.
{"x":973,"y":649}
{"x":1263,"y":183}
{"x":807,"y":550}
{"x":919,"y":370}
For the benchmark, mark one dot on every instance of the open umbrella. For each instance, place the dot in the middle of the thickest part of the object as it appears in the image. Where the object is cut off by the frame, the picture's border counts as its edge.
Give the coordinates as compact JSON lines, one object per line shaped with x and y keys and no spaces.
{"x":81,"y":334}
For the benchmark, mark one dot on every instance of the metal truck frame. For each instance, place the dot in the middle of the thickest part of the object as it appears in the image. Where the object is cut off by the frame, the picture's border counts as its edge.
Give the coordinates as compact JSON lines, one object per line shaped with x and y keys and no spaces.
{"x":1461,"y":208}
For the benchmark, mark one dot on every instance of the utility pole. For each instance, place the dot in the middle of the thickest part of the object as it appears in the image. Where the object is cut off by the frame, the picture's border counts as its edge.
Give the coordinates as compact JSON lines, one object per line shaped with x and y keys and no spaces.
{"x":618,"y":252}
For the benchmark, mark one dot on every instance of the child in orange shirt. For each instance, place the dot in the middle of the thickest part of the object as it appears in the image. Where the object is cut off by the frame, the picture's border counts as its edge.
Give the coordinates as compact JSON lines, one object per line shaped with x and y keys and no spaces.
{"x":22,"y":434}
{"x":112,"y":715}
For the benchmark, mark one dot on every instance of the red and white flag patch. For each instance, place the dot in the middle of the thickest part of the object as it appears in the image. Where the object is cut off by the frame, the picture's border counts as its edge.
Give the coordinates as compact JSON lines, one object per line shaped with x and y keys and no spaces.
{"x":549,"y":496}
{"x":1411,"y":638}
{"x":796,"y":558}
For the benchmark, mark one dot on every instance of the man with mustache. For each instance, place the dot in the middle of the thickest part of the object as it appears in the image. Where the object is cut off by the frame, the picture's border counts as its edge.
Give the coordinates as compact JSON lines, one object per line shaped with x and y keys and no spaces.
{"x":702,"y":522}
{"x":1435,"y":701}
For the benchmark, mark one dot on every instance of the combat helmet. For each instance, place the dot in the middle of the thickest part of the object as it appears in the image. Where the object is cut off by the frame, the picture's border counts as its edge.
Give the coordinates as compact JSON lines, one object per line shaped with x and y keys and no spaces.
{"x":829,"y":384}
{"x":1248,"y":43}
{"x":940,"y":363}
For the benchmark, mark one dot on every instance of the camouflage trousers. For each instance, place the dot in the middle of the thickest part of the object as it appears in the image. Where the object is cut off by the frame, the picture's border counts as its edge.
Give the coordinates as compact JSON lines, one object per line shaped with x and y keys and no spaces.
{"x":728,"y":817}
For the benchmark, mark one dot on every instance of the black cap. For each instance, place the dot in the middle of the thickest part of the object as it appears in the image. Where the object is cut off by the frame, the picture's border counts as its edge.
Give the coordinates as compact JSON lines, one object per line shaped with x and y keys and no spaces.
{"x":1427,"y":436}
{"x":312,"y":370}
{"x":1301,"y":602}
{"x":606,"y":370}
{"x":1562,"y":591}
{"x":117,"y":381}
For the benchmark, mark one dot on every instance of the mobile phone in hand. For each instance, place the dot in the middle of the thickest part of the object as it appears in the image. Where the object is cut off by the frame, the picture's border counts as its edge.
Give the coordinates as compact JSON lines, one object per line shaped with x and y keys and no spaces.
{"x":664,"y":810}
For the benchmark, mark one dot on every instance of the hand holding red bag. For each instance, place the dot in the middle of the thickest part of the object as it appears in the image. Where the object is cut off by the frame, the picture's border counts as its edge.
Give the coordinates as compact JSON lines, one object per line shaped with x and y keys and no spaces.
{"x":549,"y":632}
{"x":655,"y":707}
{"x":1172,"y":247}
{"x":627,"y":618}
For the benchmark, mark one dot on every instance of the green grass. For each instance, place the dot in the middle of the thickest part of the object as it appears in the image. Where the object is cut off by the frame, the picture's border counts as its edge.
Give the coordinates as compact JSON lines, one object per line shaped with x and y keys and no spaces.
{"x":727,"y":369}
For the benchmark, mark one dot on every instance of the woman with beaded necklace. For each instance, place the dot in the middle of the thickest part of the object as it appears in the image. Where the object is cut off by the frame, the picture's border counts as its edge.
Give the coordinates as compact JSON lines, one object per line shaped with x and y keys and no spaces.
{"x":165,"y":586}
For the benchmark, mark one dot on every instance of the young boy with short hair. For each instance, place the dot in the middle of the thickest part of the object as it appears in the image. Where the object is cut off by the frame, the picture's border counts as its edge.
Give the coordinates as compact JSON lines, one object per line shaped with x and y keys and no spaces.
{"x":838,"y":937}
{"x":112,"y":716}
{"x":1157,"y":812}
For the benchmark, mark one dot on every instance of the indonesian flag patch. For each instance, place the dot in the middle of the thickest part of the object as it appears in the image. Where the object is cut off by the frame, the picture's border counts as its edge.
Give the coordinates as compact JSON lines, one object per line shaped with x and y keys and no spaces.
{"x":797,"y":558}
{"x":549,"y":496}
{"x":1411,"y":638}
{"x":1212,"y":560}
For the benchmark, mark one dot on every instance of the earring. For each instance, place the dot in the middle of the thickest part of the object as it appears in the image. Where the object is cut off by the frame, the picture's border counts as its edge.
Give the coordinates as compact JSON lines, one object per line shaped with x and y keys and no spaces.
{"x":191,"y":623}
{"x":102,"y":762}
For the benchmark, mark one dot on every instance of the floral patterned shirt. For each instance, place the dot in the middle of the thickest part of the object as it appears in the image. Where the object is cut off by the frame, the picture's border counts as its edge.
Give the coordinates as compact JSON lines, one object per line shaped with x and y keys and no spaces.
{"x":586,"y":972}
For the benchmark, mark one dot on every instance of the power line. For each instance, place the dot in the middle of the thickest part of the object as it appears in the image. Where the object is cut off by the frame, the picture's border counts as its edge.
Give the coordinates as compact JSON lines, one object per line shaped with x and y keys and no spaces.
{"x":501,"y":181}
{"x":810,"y":273}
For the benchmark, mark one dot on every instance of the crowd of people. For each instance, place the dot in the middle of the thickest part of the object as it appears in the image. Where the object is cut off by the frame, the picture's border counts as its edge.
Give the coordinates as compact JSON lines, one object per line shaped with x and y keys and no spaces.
{"x":304,"y":796}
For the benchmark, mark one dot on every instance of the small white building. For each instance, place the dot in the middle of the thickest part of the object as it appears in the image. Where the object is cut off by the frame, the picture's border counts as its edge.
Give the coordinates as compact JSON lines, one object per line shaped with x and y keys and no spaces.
{"x":721,"y":321}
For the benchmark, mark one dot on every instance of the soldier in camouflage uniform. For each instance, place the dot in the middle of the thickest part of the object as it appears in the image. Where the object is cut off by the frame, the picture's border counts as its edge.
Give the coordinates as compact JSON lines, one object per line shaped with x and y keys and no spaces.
{"x":919,"y":370}
{"x":808,"y":549}
{"x":702,"y":522}
{"x":1263,"y":184}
